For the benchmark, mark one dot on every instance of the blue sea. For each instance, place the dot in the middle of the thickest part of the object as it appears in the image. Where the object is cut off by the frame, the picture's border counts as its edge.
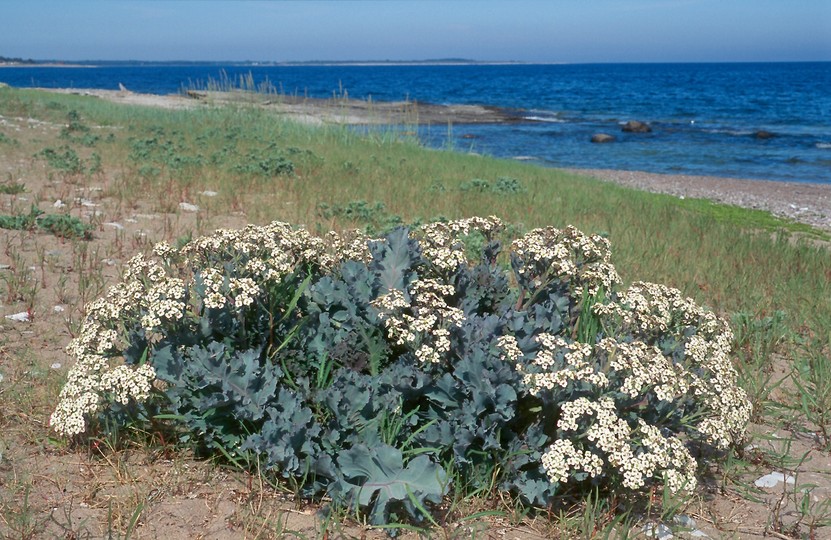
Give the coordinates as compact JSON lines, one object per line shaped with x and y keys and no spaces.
{"x":704,"y":116}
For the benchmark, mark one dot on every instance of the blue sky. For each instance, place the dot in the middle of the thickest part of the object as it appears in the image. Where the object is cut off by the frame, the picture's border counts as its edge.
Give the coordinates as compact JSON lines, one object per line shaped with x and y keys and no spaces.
{"x":525,"y":30}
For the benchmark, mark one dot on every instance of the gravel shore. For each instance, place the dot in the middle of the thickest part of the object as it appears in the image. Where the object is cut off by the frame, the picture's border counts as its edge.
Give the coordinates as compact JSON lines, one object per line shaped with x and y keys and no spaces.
{"x":801,"y":202}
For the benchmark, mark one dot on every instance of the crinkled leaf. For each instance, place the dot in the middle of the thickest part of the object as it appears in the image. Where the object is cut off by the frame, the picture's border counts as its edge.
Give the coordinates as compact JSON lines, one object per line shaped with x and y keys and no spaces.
{"x":377,"y":476}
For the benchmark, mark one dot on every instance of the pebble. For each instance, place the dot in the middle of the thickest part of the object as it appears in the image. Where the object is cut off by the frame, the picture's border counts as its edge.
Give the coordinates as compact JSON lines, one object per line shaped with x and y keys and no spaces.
{"x":659,"y":531}
{"x":58,"y":309}
{"x":188,"y":207}
{"x":774,"y":478}
{"x":209,"y":193}
{"x":59,"y":204}
{"x":56,"y":365}
{"x":23,"y":316}
{"x":684,"y":521}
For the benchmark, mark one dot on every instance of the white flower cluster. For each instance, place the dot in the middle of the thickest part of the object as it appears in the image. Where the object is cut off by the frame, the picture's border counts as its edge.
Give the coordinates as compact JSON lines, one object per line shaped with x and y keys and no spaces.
{"x":638,"y":455}
{"x":558,"y":362}
{"x":567,"y":255}
{"x":214,"y":282}
{"x":643,"y":368}
{"x":510,"y":348}
{"x":646,"y":310}
{"x":440,"y":242}
{"x":244,"y":291}
{"x":603,"y":441}
{"x":562,"y":460}
{"x":423,"y":322}
{"x":160,"y":297}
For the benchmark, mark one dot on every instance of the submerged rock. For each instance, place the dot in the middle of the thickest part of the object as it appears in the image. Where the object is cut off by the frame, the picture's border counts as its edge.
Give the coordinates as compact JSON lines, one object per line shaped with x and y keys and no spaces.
{"x":635,"y":126}
{"x":602,"y":138}
{"x":763,"y":135}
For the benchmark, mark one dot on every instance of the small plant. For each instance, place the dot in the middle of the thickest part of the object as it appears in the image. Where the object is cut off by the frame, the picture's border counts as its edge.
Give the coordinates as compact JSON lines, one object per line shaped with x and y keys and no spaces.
{"x":477,"y":184}
{"x":21,"y":222}
{"x":373,"y":216}
{"x":76,"y":131}
{"x":61,"y":225}
{"x":507,"y":185}
{"x":65,"y":226}
{"x":362,"y":369}
{"x":267,"y":162}
{"x":504,"y":185}
{"x":12,"y":188}
{"x":63,"y":159}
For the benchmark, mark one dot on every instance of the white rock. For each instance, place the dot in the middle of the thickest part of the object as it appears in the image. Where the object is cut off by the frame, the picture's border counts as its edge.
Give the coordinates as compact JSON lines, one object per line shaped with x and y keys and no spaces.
{"x":209,"y":193}
{"x":4,"y":266}
{"x":774,"y":478}
{"x":113,"y":224}
{"x":23,"y":316}
{"x":188,"y":207}
{"x":56,"y":365}
{"x":684,"y":521}
{"x":87,"y":203}
{"x":59,"y":204}
{"x":58,"y":309}
{"x":698,"y":533}
{"x":659,"y":531}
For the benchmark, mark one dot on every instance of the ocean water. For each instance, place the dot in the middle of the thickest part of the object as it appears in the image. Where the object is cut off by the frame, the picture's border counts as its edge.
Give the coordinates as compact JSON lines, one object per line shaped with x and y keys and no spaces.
{"x":704,"y":116}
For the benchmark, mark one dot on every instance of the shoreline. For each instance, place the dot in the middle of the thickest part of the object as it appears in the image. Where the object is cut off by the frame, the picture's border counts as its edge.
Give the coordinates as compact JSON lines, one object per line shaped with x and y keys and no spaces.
{"x":805,"y":203}
{"x":800,"y":202}
{"x":339,"y":110}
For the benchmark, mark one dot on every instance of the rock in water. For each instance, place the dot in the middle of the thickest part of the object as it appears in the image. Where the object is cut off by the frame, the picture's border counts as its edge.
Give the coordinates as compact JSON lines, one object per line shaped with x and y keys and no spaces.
{"x":602,"y":138}
{"x":634,"y":126}
{"x":763,"y":135}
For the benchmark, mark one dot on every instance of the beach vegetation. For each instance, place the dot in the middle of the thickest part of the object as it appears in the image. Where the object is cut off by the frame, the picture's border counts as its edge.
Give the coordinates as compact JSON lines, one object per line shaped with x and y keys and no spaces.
{"x":362,"y":368}
{"x":61,"y":225}
{"x":768,"y":277}
{"x":12,"y":188}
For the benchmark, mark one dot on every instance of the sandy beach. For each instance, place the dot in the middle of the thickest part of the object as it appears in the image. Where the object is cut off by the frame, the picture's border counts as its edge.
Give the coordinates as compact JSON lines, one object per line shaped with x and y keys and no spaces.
{"x":802,"y":202}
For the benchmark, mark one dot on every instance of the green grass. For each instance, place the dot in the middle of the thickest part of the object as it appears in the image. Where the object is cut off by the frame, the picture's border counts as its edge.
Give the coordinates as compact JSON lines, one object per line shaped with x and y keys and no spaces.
{"x":771,"y":276}
{"x":729,"y":258}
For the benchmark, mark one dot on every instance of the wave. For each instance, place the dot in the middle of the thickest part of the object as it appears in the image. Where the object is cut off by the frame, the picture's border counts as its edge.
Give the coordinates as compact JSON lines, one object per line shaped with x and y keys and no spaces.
{"x":550,"y":119}
{"x":823,"y":145}
{"x":725,"y":131}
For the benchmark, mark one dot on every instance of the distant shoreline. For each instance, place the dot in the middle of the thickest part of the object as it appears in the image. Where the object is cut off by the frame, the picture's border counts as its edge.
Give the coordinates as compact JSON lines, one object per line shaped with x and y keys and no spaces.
{"x":324,"y":63}
{"x":44,"y":65}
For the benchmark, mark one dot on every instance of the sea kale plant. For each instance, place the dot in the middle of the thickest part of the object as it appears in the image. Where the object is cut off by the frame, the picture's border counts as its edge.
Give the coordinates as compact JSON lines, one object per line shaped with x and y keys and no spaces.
{"x":383,"y":372}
